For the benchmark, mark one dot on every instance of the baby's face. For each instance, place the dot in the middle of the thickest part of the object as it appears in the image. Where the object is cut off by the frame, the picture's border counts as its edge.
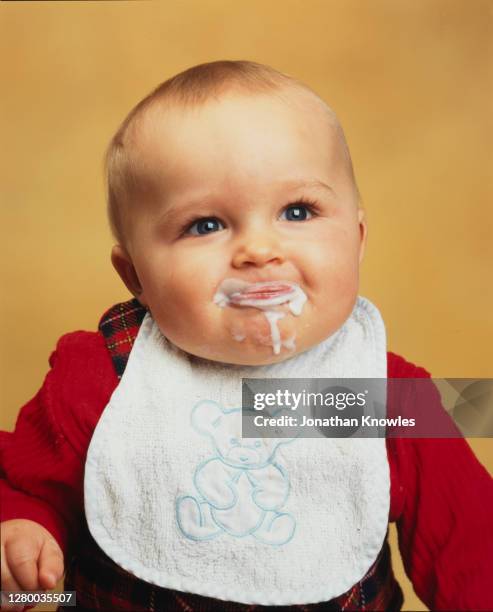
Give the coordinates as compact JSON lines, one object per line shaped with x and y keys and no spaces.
{"x":252,"y":189}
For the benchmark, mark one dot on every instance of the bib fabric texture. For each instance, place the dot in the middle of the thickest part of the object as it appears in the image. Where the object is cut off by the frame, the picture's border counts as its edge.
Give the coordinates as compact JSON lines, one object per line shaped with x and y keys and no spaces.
{"x":175,"y":496}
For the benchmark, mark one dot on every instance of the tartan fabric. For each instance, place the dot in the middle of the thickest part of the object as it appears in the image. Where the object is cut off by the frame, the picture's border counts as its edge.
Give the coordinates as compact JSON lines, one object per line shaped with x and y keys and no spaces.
{"x":120,"y":326}
{"x":101,"y":584}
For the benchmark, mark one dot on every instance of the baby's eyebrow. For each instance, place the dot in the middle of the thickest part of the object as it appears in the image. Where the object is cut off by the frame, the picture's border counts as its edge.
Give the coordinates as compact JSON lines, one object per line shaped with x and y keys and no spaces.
{"x":291,"y":184}
{"x":310,"y":183}
{"x":183,"y":207}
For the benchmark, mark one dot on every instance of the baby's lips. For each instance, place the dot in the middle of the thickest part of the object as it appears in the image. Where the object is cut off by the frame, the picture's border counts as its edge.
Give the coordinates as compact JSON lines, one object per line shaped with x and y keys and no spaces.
{"x":262,"y":295}
{"x":261,"y":291}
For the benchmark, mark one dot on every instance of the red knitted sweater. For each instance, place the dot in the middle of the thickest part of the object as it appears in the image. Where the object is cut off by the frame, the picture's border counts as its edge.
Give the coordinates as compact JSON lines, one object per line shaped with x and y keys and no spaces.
{"x":441,"y":496}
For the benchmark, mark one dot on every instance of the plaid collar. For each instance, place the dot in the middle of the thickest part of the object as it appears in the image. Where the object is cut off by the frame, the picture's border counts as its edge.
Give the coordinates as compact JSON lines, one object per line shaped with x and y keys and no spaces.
{"x":119,"y":326}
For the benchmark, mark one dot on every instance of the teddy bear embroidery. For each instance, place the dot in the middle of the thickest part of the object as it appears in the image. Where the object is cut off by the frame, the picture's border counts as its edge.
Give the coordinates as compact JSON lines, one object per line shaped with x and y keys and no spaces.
{"x":240,"y":489}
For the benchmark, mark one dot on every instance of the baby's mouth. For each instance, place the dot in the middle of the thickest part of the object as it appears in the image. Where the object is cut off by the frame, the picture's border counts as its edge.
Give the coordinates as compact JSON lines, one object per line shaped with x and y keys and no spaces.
{"x":265,"y":296}
{"x":271,"y":293}
{"x":261,"y":295}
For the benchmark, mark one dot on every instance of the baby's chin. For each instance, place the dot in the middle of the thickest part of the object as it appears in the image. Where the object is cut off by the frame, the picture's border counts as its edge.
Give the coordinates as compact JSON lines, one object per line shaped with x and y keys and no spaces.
{"x":247,"y":336}
{"x":248,"y":354}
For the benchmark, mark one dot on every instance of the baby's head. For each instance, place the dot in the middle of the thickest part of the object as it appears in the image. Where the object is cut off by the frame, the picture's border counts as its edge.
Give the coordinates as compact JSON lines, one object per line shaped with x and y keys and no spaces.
{"x":233,"y":201}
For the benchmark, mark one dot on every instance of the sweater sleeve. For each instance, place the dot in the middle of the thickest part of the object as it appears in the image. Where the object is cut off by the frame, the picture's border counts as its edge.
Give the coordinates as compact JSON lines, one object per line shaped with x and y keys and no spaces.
{"x":443,"y":505}
{"x":42,"y":460}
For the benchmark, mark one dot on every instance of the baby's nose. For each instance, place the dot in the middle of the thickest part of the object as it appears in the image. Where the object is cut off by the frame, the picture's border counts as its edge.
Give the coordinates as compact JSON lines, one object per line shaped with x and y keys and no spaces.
{"x":258,"y":250}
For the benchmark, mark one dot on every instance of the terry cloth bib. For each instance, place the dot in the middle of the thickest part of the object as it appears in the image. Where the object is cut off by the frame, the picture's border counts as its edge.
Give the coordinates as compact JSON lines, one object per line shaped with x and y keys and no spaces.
{"x":176,"y":497}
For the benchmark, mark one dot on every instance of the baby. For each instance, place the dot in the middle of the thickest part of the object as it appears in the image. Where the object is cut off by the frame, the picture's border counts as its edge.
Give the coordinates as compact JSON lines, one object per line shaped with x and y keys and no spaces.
{"x":249,"y":178}
{"x":240,"y":234}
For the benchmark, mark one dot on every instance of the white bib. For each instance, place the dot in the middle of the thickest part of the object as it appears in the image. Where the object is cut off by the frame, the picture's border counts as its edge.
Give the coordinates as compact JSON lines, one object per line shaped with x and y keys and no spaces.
{"x":175,"y":496}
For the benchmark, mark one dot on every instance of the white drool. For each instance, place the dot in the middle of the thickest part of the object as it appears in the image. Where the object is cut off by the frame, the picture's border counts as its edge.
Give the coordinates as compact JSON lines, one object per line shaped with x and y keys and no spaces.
{"x":265,"y":296}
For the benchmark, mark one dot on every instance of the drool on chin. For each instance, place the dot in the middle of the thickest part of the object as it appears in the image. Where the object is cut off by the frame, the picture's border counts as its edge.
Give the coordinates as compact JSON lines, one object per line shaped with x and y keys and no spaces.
{"x":276,"y":300}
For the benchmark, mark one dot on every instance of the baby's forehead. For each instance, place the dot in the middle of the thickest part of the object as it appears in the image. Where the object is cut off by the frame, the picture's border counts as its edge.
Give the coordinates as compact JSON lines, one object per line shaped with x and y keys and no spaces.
{"x":248,"y":125}
{"x":170,"y":148}
{"x":167,"y":115}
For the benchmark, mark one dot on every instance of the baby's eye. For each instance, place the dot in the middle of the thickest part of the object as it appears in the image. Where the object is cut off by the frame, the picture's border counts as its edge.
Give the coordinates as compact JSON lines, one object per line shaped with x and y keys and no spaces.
{"x":258,"y":443}
{"x":234,"y":441}
{"x":296,"y":212}
{"x":207,"y":225}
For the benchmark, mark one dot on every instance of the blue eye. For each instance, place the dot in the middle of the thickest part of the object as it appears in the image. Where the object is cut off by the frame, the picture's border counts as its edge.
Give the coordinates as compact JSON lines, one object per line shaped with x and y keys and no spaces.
{"x":258,"y":443}
{"x":298,"y":212}
{"x":207,"y":225}
{"x":234,"y":441}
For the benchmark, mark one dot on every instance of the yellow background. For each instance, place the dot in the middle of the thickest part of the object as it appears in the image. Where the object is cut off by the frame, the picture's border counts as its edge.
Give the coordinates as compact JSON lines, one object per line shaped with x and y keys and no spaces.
{"x":412,"y":82}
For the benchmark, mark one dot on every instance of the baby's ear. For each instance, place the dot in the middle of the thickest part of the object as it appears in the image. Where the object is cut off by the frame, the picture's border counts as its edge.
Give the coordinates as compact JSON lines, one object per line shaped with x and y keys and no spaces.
{"x":123,"y":265}
{"x":363,"y":230}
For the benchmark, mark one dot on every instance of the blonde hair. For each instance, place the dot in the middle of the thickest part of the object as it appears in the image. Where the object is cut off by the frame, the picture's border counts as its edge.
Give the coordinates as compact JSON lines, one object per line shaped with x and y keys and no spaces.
{"x":190,"y":88}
